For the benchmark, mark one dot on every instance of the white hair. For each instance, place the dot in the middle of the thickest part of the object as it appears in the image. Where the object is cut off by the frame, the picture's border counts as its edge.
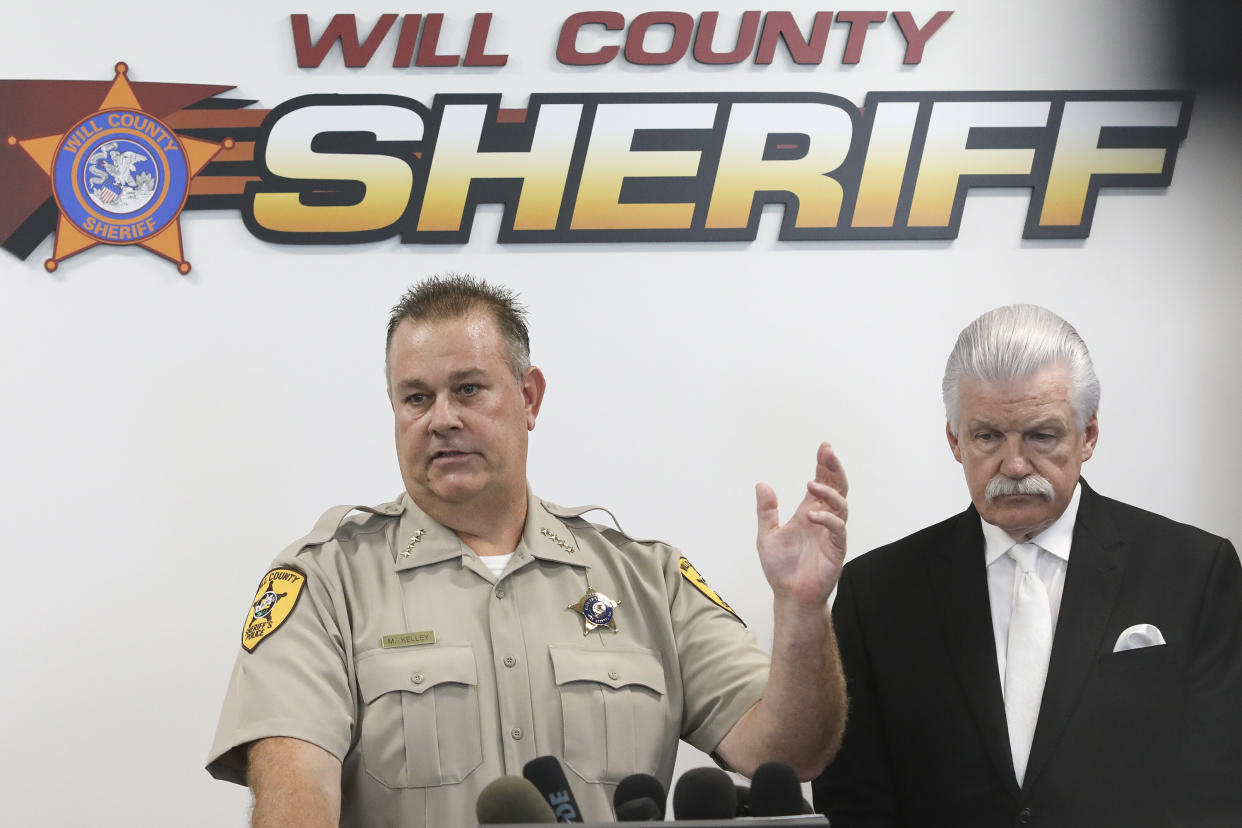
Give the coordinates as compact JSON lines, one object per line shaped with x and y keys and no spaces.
{"x":1016,"y":341}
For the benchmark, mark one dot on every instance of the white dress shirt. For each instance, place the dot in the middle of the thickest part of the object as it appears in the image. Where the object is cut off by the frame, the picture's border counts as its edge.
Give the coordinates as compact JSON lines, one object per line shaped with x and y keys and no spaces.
{"x":1003,"y":574}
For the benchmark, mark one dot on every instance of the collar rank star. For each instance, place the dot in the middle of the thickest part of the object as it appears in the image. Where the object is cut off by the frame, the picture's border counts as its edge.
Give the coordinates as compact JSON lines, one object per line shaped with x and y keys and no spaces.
{"x":414,"y":539}
{"x":555,"y":538}
{"x":596,"y":610}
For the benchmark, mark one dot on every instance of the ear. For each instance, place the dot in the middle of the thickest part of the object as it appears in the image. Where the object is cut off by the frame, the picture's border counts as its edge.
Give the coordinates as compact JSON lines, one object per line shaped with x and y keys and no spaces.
{"x":1091,"y":433}
{"x":954,"y":445}
{"x":388,"y":383}
{"x":533,"y":386}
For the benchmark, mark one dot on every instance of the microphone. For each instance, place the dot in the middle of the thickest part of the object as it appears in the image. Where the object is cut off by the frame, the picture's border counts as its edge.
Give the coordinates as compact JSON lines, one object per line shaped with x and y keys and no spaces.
{"x":512,"y":799}
{"x":743,"y":800}
{"x":643,"y":809}
{"x":704,"y":793}
{"x":635,"y":788}
{"x":775,"y":791}
{"x":548,"y":777}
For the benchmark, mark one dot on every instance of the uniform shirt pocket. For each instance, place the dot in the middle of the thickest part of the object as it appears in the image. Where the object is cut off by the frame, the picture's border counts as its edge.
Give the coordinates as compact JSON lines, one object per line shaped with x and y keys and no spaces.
{"x":613,"y":707}
{"x":420,"y":722}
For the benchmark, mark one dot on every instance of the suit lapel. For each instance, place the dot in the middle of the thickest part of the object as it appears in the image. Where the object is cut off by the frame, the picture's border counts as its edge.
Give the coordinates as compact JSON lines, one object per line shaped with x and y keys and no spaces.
{"x":959,"y":579}
{"x":1092,"y":582}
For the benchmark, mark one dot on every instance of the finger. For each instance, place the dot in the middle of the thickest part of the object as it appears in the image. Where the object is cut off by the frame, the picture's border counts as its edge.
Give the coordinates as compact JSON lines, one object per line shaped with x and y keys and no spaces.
{"x":828,"y":469}
{"x":830,"y":497}
{"x":833,"y":523}
{"x":765,"y":508}
{"x":828,"y":520}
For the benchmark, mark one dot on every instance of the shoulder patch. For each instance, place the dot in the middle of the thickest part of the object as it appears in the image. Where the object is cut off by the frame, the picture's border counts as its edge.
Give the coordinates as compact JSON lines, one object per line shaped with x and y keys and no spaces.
{"x":277,"y":596}
{"x":692,"y":575}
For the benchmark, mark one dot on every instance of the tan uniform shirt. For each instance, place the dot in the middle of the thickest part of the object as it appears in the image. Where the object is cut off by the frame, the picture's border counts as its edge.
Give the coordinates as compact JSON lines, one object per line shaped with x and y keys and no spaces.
{"x":496,"y":671}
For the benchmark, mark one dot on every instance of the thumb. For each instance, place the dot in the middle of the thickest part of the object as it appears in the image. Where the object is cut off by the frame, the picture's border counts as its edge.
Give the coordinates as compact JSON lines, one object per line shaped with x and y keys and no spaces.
{"x":765,"y":508}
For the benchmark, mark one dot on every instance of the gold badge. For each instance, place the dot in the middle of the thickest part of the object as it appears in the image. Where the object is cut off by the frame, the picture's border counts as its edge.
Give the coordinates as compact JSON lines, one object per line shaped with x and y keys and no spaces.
{"x":692,"y":575}
{"x":278,"y":594}
{"x":596,"y":610}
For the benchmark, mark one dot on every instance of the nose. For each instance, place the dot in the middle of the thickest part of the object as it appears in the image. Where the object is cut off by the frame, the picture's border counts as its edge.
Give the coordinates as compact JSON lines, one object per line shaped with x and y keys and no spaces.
{"x":444,"y":415}
{"x":1014,"y":462}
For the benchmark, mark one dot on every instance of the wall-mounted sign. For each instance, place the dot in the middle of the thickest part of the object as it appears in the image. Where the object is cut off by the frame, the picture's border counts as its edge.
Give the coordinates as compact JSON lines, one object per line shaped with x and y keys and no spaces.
{"x":570,"y":167}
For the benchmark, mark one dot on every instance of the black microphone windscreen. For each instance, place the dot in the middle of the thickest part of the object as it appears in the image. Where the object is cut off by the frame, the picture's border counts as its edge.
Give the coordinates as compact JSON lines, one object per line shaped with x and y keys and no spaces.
{"x":775,"y":791}
{"x":512,"y":799}
{"x":743,"y":800}
{"x":643,"y":809}
{"x":704,"y":793}
{"x":546,"y":773}
{"x":639,"y":786}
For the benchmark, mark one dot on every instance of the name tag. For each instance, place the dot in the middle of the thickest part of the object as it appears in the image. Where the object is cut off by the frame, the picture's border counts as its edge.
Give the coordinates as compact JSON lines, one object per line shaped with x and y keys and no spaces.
{"x":410,"y":639}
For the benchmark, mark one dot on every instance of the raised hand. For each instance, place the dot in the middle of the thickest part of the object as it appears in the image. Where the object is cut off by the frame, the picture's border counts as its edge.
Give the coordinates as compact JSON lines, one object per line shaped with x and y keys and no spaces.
{"x":802,"y":559}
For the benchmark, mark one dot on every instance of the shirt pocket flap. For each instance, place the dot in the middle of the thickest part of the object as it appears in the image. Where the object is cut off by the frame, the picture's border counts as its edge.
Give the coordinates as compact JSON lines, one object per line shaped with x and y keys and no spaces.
{"x":615,"y":668}
{"x":414,"y":671}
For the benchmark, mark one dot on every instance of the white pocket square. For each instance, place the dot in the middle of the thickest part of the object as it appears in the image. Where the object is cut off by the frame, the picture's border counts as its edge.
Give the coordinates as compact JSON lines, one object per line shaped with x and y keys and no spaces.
{"x":1140,"y":635}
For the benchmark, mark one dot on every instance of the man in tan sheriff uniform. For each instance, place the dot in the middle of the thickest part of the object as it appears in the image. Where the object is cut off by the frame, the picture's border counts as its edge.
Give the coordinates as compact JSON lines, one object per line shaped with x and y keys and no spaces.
{"x":399,"y":658}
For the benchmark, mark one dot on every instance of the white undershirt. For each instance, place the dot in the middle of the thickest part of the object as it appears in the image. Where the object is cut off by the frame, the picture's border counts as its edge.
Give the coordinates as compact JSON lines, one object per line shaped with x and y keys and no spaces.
{"x":496,"y":563}
{"x":1003,"y":574}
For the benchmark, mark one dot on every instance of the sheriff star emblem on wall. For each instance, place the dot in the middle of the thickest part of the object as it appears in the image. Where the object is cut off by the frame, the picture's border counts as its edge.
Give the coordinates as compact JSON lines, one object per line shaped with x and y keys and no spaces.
{"x":119,"y":176}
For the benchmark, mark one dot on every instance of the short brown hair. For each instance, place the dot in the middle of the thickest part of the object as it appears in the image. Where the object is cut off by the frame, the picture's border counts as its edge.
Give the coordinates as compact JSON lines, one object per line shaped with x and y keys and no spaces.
{"x":453,"y":296}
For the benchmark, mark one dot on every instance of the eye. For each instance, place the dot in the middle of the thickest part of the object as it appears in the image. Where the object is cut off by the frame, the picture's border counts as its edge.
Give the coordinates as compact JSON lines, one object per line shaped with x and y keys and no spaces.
{"x":469,"y":389}
{"x":988,"y":440}
{"x":417,"y":398}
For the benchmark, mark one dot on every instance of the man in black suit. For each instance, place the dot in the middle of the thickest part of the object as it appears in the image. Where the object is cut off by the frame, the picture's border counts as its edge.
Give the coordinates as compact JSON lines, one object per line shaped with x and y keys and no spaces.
{"x":1049,"y":657}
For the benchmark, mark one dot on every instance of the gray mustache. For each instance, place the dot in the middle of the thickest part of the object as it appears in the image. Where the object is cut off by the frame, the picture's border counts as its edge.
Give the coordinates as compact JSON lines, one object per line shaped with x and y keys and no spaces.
{"x":1032,"y":484}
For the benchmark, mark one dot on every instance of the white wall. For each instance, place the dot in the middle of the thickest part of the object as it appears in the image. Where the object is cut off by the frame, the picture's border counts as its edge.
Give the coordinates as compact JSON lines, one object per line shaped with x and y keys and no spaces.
{"x":165,"y":436}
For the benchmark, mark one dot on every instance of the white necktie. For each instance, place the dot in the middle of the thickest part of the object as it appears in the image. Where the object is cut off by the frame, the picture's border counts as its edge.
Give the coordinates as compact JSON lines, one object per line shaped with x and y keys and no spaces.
{"x":1026,"y":659}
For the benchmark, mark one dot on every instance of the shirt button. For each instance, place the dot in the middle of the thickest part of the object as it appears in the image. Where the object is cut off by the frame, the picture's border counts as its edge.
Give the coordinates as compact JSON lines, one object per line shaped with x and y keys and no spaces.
{"x":1025,"y":817}
{"x":510,"y":661}
{"x":500,"y":592}
{"x":516,"y":733}
{"x":614,"y":675}
{"x":417,"y":678}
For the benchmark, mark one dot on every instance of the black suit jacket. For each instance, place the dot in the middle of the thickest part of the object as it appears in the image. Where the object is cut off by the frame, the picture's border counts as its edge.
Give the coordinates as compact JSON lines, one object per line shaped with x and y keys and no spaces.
{"x":1146,"y":737}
